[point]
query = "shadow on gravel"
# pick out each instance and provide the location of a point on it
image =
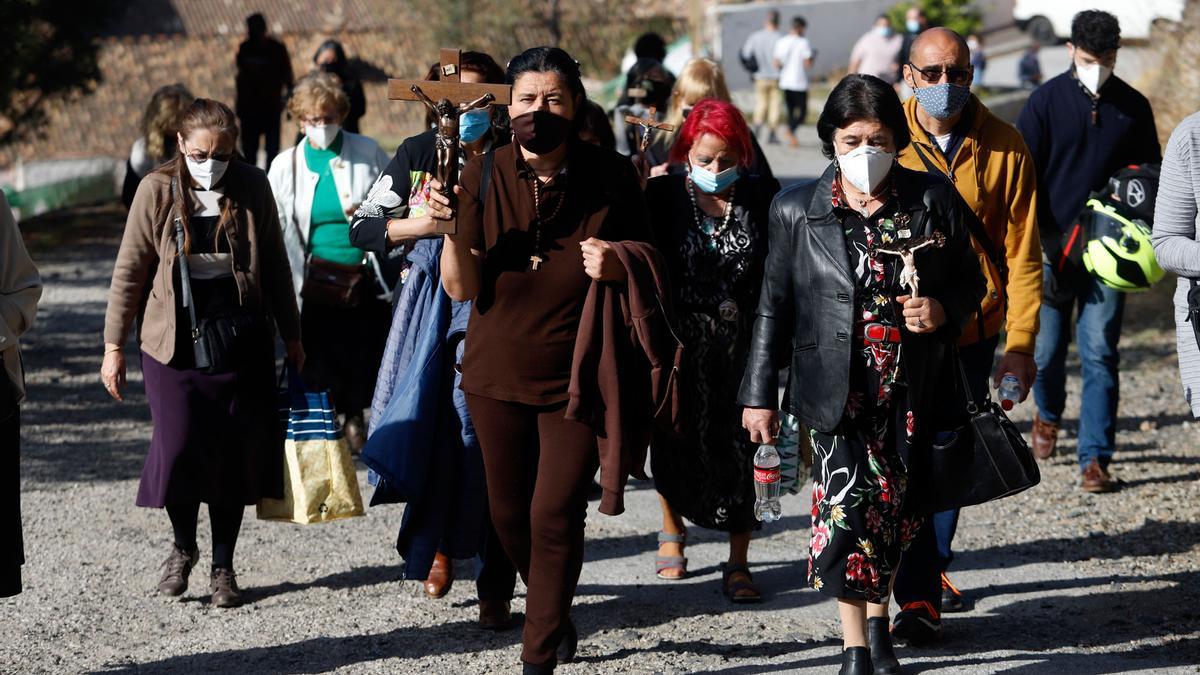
(359, 577)
(1093, 620)
(1155, 538)
(733, 651)
(326, 654)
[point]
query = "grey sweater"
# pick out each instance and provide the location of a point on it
(1177, 241)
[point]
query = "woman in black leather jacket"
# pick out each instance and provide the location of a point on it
(872, 363)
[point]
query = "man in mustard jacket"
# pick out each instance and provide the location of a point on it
(955, 135)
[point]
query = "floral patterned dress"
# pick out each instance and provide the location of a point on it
(859, 527)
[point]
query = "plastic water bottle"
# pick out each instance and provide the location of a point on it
(1010, 391)
(766, 484)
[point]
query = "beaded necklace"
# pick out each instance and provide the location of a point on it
(698, 216)
(535, 259)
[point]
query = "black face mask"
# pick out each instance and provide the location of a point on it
(539, 131)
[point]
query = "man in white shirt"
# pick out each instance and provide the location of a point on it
(759, 52)
(876, 52)
(793, 57)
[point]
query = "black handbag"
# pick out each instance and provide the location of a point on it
(985, 458)
(1193, 301)
(219, 342)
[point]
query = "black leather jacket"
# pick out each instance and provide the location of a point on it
(806, 306)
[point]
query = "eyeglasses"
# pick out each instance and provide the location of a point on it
(319, 120)
(201, 156)
(933, 75)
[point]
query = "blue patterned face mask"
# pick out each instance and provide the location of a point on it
(943, 101)
(473, 124)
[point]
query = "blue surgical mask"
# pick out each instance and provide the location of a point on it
(713, 183)
(944, 100)
(473, 124)
(885, 31)
(913, 25)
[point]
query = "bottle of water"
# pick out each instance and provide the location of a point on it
(1010, 391)
(766, 484)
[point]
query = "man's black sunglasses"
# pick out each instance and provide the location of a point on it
(934, 74)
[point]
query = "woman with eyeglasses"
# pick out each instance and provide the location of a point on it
(203, 238)
(343, 298)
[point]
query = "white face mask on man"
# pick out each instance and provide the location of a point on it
(866, 166)
(1093, 75)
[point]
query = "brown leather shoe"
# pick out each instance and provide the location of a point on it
(1044, 436)
(495, 615)
(176, 569)
(225, 591)
(441, 577)
(1096, 480)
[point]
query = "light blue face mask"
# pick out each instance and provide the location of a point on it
(473, 124)
(944, 100)
(713, 183)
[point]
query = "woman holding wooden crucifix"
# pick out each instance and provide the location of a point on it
(530, 245)
(873, 370)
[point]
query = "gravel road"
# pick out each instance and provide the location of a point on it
(1059, 581)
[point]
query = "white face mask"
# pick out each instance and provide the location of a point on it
(866, 166)
(207, 173)
(1093, 76)
(322, 136)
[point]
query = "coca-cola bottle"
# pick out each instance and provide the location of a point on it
(766, 484)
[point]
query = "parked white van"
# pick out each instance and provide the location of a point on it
(1049, 22)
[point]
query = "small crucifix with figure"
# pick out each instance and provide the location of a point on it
(906, 250)
(448, 98)
(648, 124)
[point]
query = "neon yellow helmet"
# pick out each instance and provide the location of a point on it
(1118, 251)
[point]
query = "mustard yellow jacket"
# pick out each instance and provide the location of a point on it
(994, 173)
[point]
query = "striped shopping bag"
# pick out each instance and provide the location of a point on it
(319, 481)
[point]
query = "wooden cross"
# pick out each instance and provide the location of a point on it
(648, 125)
(448, 98)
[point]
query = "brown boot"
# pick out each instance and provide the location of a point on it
(1096, 480)
(176, 569)
(495, 615)
(225, 591)
(1045, 438)
(441, 577)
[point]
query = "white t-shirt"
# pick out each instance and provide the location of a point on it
(943, 141)
(792, 50)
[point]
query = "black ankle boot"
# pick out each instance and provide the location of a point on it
(569, 645)
(533, 669)
(856, 661)
(882, 655)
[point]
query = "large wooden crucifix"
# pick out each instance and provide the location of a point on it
(449, 97)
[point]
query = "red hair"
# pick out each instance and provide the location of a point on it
(721, 119)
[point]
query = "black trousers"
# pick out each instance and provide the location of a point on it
(497, 576)
(797, 107)
(260, 123)
(12, 548)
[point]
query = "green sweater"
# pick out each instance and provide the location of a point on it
(329, 232)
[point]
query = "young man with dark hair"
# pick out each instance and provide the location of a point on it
(1081, 127)
(793, 57)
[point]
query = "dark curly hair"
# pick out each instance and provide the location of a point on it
(1095, 32)
(862, 97)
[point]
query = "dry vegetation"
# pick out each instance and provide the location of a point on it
(1174, 90)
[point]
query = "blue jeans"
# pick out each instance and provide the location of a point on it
(1097, 331)
(920, 575)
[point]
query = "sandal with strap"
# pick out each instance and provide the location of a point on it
(735, 589)
(663, 563)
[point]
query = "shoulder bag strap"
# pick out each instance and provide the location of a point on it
(485, 178)
(295, 172)
(185, 277)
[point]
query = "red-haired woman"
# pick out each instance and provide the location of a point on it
(711, 224)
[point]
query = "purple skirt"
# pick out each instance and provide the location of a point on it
(217, 438)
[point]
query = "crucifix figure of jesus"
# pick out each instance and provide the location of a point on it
(648, 124)
(906, 250)
(448, 98)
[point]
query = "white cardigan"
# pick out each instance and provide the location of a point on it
(354, 172)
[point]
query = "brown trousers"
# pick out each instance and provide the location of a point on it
(539, 503)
